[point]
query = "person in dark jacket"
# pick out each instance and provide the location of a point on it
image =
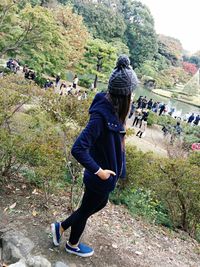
(100, 149)
(150, 104)
(197, 119)
(191, 118)
(132, 109)
(162, 108)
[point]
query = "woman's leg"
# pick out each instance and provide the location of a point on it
(91, 203)
(135, 120)
(138, 133)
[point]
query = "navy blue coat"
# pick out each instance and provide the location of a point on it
(100, 145)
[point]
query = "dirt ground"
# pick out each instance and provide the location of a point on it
(117, 238)
(152, 141)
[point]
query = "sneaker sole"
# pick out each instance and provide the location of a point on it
(84, 255)
(53, 231)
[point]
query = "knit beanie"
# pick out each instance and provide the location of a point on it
(123, 79)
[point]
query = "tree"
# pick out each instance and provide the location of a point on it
(47, 41)
(140, 34)
(170, 48)
(103, 22)
(31, 33)
(74, 32)
(98, 61)
(189, 68)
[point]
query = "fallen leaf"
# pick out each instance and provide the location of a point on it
(35, 192)
(138, 253)
(34, 213)
(5, 209)
(114, 246)
(13, 205)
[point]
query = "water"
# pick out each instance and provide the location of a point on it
(181, 108)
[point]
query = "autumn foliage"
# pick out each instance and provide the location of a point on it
(190, 68)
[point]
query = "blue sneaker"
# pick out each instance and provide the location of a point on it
(56, 233)
(81, 250)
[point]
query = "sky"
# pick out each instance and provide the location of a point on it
(179, 19)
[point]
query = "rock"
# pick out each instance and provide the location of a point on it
(60, 264)
(20, 263)
(37, 261)
(15, 246)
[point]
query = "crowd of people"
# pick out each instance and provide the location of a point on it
(28, 73)
(13, 65)
(65, 89)
(193, 119)
(140, 111)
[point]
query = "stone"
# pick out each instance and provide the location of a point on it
(15, 246)
(20, 263)
(37, 261)
(60, 264)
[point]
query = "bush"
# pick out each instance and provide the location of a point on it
(191, 135)
(152, 118)
(166, 191)
(39, 80)
(85, 82)
(142, 203)
(5, 70)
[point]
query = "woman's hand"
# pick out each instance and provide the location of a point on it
(105, 174)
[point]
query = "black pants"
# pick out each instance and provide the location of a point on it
(135, 122)
(91, 203)
(139, 133)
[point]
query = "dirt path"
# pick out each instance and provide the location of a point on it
(117, 238)
(152, 141)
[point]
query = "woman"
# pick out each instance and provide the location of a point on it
(75, 81)
(100, 149)
(143, 128)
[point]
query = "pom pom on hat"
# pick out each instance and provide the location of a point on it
(123, 62)
(123, 79)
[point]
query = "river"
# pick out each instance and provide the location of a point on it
(181, 108)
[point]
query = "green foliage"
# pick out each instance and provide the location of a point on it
(43, 39)
(140, 34)
(85, 82)
(170, 48)
(40, 80)
(37, 130)
(5, 70)
(164, 75)
(99, 59)
(103, 22)
(142, 203)
(191, 135)
(152, 118)
(170, 186)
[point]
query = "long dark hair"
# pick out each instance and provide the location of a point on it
(121, 104)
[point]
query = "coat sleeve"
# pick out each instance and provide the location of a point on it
(84, 142)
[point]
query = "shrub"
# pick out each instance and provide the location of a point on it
(85, 82)
(142, 203)
(41, 138)
(165, 191)
(152, 118)
(39, 80)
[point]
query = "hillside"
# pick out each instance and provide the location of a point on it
(118, 238)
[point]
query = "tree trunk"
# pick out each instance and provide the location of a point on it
(99, 65)
(95, 81)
